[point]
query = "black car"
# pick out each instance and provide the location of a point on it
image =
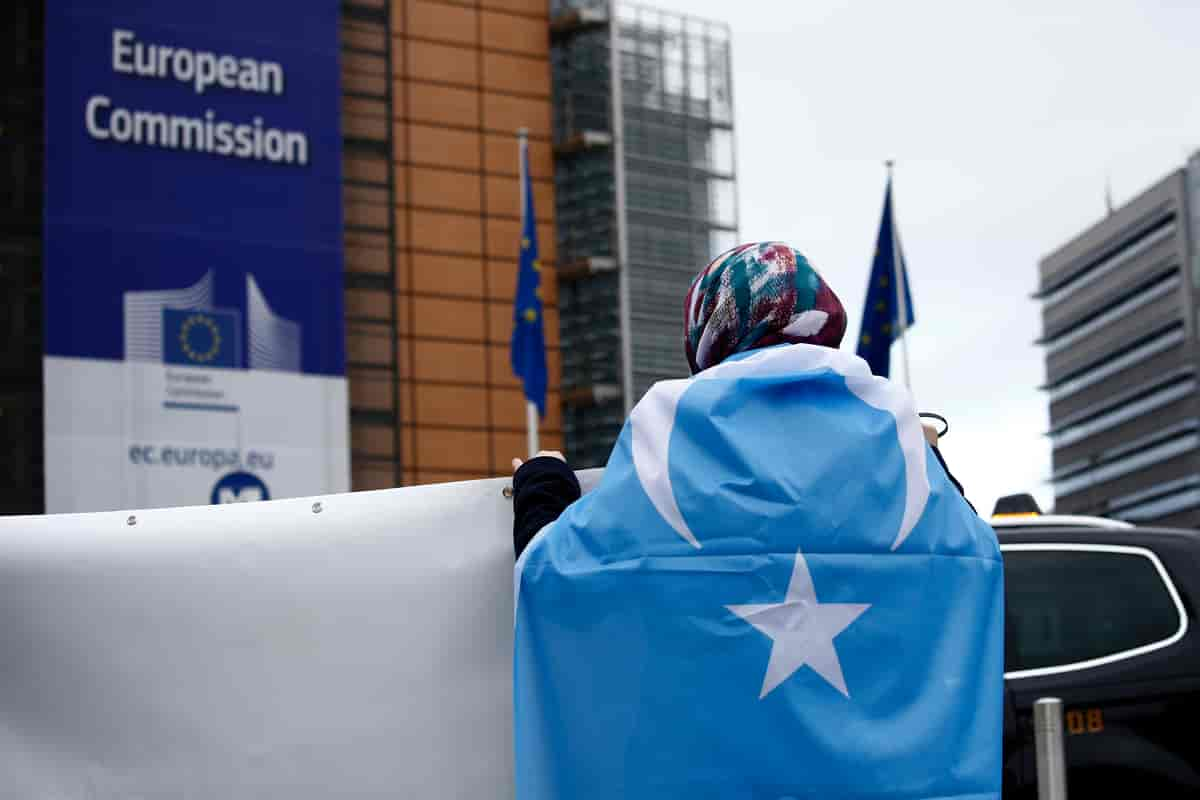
(1101, 614)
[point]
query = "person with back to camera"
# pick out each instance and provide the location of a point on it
(544, 486)
(772, 592)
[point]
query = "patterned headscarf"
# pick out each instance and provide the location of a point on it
(757, 295)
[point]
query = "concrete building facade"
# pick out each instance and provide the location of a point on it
(646, 188)
(1119, 319)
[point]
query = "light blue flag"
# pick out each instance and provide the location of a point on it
(775, 592)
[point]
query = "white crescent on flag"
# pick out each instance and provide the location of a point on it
(653, 420)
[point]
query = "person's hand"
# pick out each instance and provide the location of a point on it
(931, 432)
(516, 462)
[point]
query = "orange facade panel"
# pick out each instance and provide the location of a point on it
(505, 113)
(355, 62)
(443, 147)
(449, 362)
(452, 449)
(516, 74)
(514, 32)
(373, 440)
(371, 304)
(366, 259)
(533, 8)
(441, 318)
(365, 215)
(451, 190)
(439, 105)
(371, 389)
(364, 83)
(507, 445)
(500, 155)
(504, 197)
(363, 36)
(453, 406)
(444, 232)
(368, 344)
(367, 476)
(443, 63)
(447, 275)
(364, 126)
(365, 167)
(442, 22)
(508, 410)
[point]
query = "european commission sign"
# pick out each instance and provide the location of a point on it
(203, 71)
(193, 265)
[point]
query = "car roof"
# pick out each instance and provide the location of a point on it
(1052, 528)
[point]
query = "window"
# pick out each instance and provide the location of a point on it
(1079, 606)
(1105, 319)
(1097, 271)
(1126, 464)
(1107, 367)
(1163, 506)
(1122, 410)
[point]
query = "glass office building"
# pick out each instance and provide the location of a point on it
(646, 196)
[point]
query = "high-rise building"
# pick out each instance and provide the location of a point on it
(433, 94)
(1119, 317)
(645, 181)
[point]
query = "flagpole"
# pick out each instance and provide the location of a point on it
(531, 410)
(898, 279)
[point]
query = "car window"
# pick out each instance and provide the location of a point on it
(1067, 606)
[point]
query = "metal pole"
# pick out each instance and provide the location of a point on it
(898, 279)
(531, 428)
(617, 127)
(1048, 739)
(531, 411)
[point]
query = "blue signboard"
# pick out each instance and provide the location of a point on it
(193, 235)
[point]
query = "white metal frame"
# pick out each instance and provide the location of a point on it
(1123, 654)
(1058, 520)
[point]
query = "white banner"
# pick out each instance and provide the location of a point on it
(348, 646)
(137, 435)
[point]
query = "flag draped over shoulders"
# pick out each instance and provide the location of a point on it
(773, 592)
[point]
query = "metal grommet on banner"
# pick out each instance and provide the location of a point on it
(131, 521)
(317, 507)
(945, 424)
(507, 491)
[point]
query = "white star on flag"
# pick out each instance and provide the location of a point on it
(802, 631)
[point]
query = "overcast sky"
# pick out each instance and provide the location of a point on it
(1005, 119)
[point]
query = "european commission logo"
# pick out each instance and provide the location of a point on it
(183, 327)
(200, 338)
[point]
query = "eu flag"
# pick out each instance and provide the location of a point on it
(881, 313)
(528, 337)
(730, 615)
(200, 338)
